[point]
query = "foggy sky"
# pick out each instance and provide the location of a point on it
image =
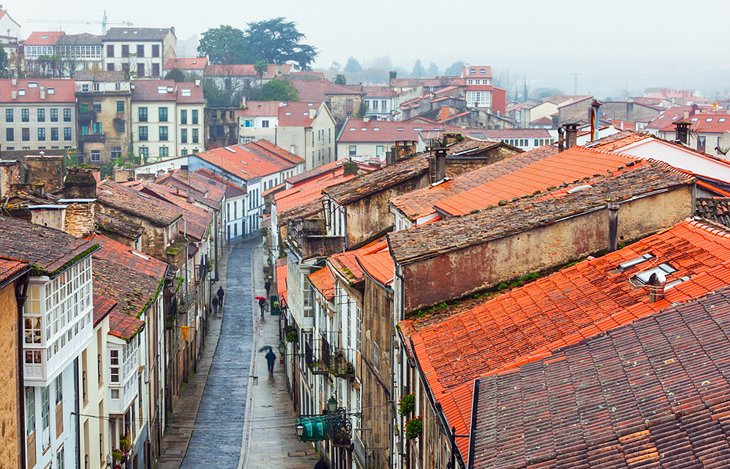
(613, 46)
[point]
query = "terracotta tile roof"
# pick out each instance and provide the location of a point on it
(298, 114)
(142, 276)
(167, 90)
(197, 219)
(184, 63)
(11, 268)
(231, 190)
(124, 255)
(497, 134)
(711, 122)
(380, 180)
(321, 90)
(374, 131)
(304, 199)
(102, 307)
(259, 109)
(56, 90)
(282, 273)
(43, 38)
(252, 160)
(378, 265)
(124, 326)
(128, 200)
(716, 210)
(636, 396)
(618, 141)
(105, 223)
(246, 70)
(323, 281)
(204, 189)
(346, 263)
(564, 167)
(591, 297)
(379, 91)
(48, 251)
(530, 212)
(83, 39)
(476, 71)
(420, 203)
(666, 118)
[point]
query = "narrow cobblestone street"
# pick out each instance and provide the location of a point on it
(225, 417)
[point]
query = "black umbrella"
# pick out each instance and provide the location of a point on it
(265, 348)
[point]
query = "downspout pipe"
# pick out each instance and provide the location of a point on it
(21, 294)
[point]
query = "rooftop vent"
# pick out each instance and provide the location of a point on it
(32, 84)
(662, 270)
(51, 90)
(628, 264)
(230, 149)
(582, 188)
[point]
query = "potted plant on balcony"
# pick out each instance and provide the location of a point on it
(291, 335)
(406, 404)
(414, 428)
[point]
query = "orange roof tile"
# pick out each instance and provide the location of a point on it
(563, 308)
(251, 160)
(420, 203)
(102, 307)
(346, 263)
(324, 282)
(566, 167)
(379, 265)
(10, 268)
(123, 325)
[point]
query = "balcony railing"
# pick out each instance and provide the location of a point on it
(86, 116)
(314, 363)
(93, 138)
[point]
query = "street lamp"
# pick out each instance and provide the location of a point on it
(300, 430)
(332, 405)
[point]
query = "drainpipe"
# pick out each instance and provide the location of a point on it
(612, 226)
(21, 291)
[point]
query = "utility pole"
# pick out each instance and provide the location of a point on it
(575, 84)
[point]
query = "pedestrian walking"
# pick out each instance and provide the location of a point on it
(262, 305)
(215, 304)
(270, 359)
(220, 294)
(321, 464)
(267, 285)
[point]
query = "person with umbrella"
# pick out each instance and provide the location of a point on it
(270, 358)
(267, 286)
(262, 304)
(215, 304)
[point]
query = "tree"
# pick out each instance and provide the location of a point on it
(224, 45)
(4, 72)
(177, 75)
(353, 66)
(335, 67)
(277, 41)
(279, 90)
(261, 68)
(454, 70)
(215, 96)
(433, 70)
(340, 79)
(418, 70)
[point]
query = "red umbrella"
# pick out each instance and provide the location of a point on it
(259, 298)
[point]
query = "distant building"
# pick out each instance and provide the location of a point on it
(193, 67)
(37, 114)
(77, 52)
(479, 92)
(305, 129)
(167, 119)
(141, 52)
(104, 116)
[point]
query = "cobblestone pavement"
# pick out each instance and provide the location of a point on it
(270, 440)
(217, 435)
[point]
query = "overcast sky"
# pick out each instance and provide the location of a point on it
(617, 46)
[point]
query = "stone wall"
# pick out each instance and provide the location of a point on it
(9, 425)
(45, 170)
(79, 220)
(458, 273)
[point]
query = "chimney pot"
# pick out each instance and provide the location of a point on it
(439, 172)
(571, 135)
(656, 287)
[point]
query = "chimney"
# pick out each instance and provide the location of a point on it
(656, 287)
(594, 118)
(366, 119)
(13, 82)
(79, 184)
(312, 113)
(349, 167)
(571, 135)
(43, 92)
(612, 227)
(13, 95)
(681, 128)
(561, 138)
(439, 168)
(390, 156)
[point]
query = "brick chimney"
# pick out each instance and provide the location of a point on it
(79, 192)
(681, 128)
